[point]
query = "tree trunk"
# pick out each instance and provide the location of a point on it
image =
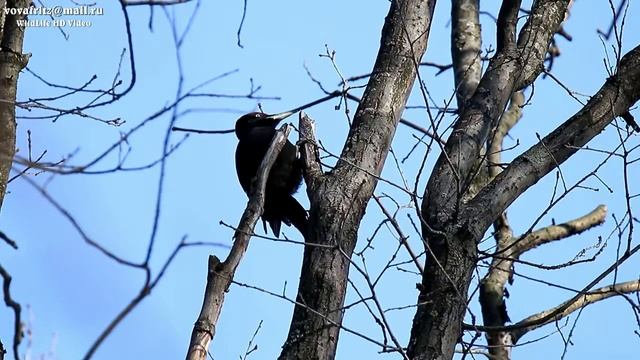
(449, 229)
(338, 199)
(11, 62)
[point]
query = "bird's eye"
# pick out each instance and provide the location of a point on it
(257, 115)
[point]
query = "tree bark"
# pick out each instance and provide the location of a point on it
(338, 198)
(12, 61)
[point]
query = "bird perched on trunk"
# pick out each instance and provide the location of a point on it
(255, 132)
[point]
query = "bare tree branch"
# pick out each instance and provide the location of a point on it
(572, 305)
(466, 42)
(10, 302)
(8, 240)
(148, 286)
(402, 237)
(549, 316)
(561, 231)
(507, 24)
(614, 98)
(220, 274)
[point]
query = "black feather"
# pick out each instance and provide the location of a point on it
(255, 132)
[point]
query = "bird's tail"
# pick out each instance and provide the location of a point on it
(293, 213)
(284, 209)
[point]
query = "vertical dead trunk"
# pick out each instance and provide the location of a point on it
(338, 199)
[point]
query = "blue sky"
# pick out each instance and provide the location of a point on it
(73, 291)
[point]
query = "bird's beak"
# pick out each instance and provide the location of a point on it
(280, 116)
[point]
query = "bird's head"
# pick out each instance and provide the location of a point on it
(258, 119)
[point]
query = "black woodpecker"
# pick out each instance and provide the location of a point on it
(255, 132)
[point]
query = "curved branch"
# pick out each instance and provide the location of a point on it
(561, 231)
(220, 274)
(550, 315)
(571, 306)
(17, 323)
